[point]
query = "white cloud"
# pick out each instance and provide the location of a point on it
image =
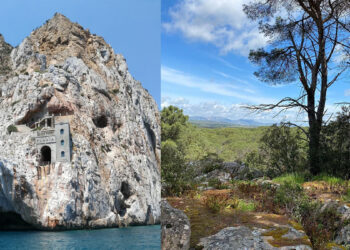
(219, 22)
(209, 108)
(347, 92)
(239, 91)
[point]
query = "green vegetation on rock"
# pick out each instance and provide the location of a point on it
(12, 129)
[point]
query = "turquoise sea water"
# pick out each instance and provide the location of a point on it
(142, 237)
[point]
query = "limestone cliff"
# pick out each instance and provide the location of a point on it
(113, 178)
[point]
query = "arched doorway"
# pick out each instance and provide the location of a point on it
(45, 155)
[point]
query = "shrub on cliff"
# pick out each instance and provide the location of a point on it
(12, 129)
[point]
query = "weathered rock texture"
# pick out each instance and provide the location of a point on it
(245, 238)
(176, 230)
(114, 176)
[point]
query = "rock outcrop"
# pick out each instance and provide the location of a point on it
(242, 237)
(226, 172)
(176, 230)
(5, 51)
(342, 237)
(113, 178)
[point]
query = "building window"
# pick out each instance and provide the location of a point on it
(62, 142)
(62, 154)
(62, 131)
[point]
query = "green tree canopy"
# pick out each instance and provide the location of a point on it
(307, 41)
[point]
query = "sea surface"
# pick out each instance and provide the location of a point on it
(140, 237)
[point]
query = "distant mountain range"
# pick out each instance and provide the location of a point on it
(215, 122)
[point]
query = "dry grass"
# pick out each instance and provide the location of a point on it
(206, 222)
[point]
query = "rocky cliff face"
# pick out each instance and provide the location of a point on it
(113, 178)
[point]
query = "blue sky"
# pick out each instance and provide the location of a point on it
(131, 27)
(205, 66)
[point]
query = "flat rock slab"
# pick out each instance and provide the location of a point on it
(176, 230)
(244, 238)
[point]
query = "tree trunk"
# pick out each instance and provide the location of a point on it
(314, 146)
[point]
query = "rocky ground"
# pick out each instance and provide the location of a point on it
(176, 230)
(239, 215)
(113, 178)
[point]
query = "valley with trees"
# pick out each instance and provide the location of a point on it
(265, 182)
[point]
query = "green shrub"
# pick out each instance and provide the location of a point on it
(319, 224)
(177, 174)
(335, 145)
(246, 206)
(290, 196)
(217, 202)
(294, 178)
(346, 196)
(210, 162)
(282, 150)
(115, 91)
(12, 129)
(217, 184)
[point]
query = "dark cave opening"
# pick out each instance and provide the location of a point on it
(11, 221)
(100, 121)
(151, 134)
(125, 189)
(45, 153)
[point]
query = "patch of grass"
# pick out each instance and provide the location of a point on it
(331, 180)
(293, 178)
(246, 206)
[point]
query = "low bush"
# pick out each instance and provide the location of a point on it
(247, 187)
(215, 203)
(346, 196)
(210, 162)
(220, 201)
(335, 145)
(290, 197)
(217, 184)
(282, 150)
(320, 224)
(12, 129)
(246, 206)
